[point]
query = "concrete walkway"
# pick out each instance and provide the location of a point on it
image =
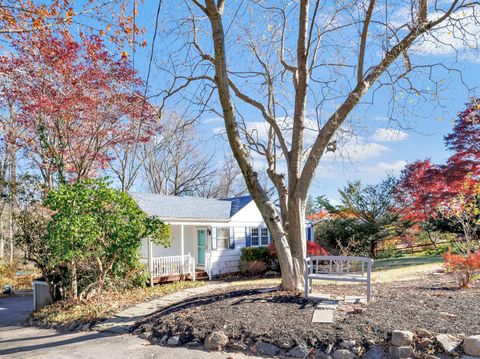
(122, 321)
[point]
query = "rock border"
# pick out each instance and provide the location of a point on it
(401, 344)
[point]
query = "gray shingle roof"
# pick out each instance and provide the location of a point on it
(175, 207)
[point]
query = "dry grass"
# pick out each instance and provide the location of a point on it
(8, 276)
(105, 305)
(393, 270)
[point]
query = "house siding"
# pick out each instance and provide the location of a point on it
(228, 260)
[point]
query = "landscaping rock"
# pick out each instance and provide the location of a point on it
(321, 355)
(401, 338)
(173, 341)
(266, 349)
(164, 339)
(376, 352)
(72, 326)
(401, 352)
(448, 343)
(154, 340)
(193, 344)
(300, 351)
(145, 335)
(329, 349)
(471, 346)
(424, 343)
(423, 333)
(238, 346)
(343, 354)
(347, 344)
(215, 341)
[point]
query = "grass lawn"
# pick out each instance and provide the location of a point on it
(408, 261)
(105, 305)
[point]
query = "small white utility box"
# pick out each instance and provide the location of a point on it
(41, 294)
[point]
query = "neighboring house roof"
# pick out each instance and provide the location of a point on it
(189, 207)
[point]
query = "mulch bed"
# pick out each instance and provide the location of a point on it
(247, 315)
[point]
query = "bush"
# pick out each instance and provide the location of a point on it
(7, 274)
(466, 268)
(260, 254)
(340, 233)
(251, 254)
(253, 268)
(87, 237)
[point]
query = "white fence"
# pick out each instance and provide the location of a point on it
(173, 265)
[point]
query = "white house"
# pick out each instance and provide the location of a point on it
(206, 234)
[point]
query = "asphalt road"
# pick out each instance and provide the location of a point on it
(17, 341)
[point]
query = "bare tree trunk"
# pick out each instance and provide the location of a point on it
(2, 235)
(261, 198)
(432, 240)
(297, 238)
(10, 233)
(73, 280)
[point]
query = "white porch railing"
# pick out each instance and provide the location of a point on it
(208, 265)
(172, 265)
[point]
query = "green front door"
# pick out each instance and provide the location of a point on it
(202, 246)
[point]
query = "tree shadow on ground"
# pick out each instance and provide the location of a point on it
(245, 296)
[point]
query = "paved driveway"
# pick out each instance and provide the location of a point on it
(17, 341)
(14, 310)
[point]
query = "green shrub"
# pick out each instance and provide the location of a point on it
(250, 254)
(260, 254)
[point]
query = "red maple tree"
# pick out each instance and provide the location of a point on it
(425, 186)
(448, 191)
(76, 101)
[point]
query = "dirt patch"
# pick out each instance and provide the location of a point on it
(249, 315)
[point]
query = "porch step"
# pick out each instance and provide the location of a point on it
(201, 275)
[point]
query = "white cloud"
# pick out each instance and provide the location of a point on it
(458, 37)
(356, 150)
(395, 167)
(211, 120)
(389, 135)
(218, 130)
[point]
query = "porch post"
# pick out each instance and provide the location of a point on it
(182, 237)
(150, 261)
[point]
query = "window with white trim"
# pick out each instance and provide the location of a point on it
(264, 236)
(223, 237)
(255, 237)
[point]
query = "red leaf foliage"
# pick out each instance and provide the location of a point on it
(74, 102)
(425, 186)
(464, 267)
(313, 249)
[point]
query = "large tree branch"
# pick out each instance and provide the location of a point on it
(363, 40)
(354, 97)
(296, 151)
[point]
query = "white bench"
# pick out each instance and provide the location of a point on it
(339, 268)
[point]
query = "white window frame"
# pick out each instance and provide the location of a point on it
(226, 240)
(262, 236)
(257, 236)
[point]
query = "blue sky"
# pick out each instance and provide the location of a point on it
(381, 145)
